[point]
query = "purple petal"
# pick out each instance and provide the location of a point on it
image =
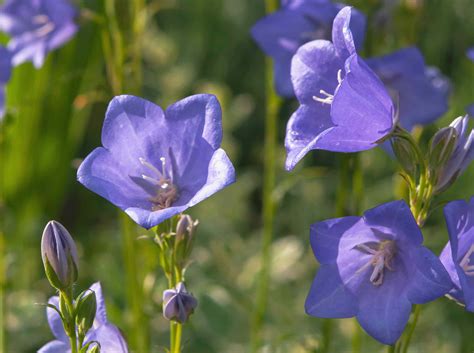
(328, 296)
(101, 315)
(470, 110)
(55, 347)
(384, 311)
(304, 130)
(313, 68)
(348, 31)
(148, 219)
(55, 322)
(422, 93)
(429, 279)
(470, 53)
(395, 218)
(110, 339)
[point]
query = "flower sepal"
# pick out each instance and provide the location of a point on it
(86, 307)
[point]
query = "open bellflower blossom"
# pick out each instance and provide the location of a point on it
(281, 33)
(36, 27)
(461, 157)
(344, 107)
(374, 268)
(470, 55)
(102, 331)
(421, 92)
(5, 73)
(155, 164)
(458, 255)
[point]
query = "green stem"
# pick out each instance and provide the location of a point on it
(356, 338)
(2, 293)
(139, 322)
(411, 329)
(70, 323)
(270, 147)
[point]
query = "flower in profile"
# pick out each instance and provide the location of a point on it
(461, 156)
(421, 92)
(374, 268)
(5, 73)
(178, 304)
(344, 107)
(102, 331)
(470, 55)
(281, 33)
(59, 255)
(458, 255)
(155, 164)
(36, 27)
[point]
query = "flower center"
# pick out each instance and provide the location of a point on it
(466, 262)
(45, 25)
(166, 191)
(382, 257)
(327, 98)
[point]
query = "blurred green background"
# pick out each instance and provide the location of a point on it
(165, 50)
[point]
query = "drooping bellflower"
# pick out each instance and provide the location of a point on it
(281, 33)
(374, 268)
(178, 304)
(102, 331)
(344, 107)
(461, 157)
(470, 55)
(421, 92)
(155, 164)
(36, 27)
(5, 73)
(458, 255)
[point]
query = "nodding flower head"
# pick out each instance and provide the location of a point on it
(374, 268)
(36, 27)
(458, 254)
(155, 164)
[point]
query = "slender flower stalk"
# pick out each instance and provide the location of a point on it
(270, 146)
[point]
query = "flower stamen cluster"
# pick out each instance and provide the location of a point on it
(466, 262)
(167, 192)
(382, 258)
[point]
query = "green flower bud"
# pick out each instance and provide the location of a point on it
(86, 308)
(442, 147)
(184, 237)
(406, 156)
(59, 255)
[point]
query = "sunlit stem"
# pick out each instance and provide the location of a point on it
(268, 203)
(2, 293)
(70, 323)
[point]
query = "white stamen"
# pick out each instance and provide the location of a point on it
(40, 19)
(45, 30)
(380, 259)
(150, 166)
(339, 76)
(163, 166)
(327, 100)
(150, 179)
(465, 262)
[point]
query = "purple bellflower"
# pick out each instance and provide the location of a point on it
(5, 73)
(281, 33)
(102, 331)
(178, 304)
(461, 156)
(344, 107)
(470, 55)
(155, 164)
(421, 92)
(374, 268)
(458, 255)
(36, 27)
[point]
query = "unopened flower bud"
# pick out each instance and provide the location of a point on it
(178, 304)
(184, 238)
(59, 255)
(442, 146)
(85, 312)
(460, 157)
(405, 155)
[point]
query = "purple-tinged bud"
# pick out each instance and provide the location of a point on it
(460, 158)
(184, 238)
(178, 304)
(442, 147)
(59, 255)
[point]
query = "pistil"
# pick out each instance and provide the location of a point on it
(381, 258)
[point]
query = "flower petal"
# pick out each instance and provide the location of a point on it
(348, 31)
(101, 314)
(304, 130)
(328, 296)
(55, 347)
(54, 320)
(110, 339)
(315, 67)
